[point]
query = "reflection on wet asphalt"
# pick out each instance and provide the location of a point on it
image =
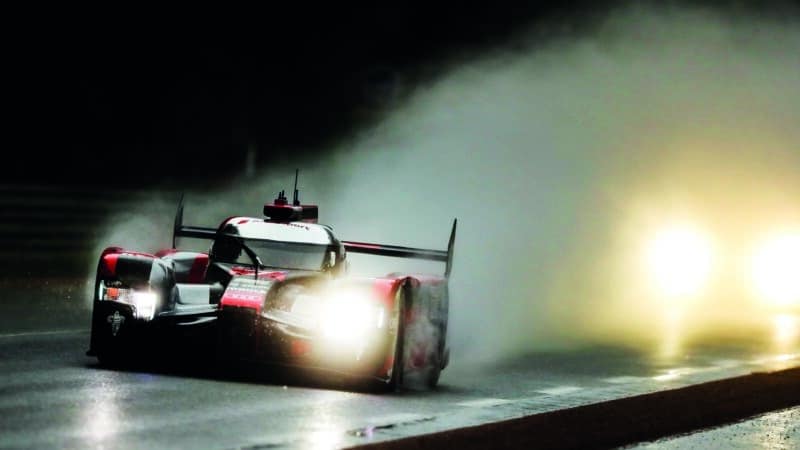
(51, 395)
(778, 430)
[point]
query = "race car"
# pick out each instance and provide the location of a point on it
(276, 290)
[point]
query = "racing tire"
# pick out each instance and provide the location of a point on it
(435, 370)
(112, 358)
(107, 361)
(433, 377)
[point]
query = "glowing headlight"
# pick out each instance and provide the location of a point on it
(775, 270)
(350, 316)
(143, 302)
(679, 261)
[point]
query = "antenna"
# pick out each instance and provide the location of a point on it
(295, 200)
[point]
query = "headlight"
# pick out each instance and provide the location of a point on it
(343, 317)
(349, 317)
(143, 302)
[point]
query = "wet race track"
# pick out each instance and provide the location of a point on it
(51, 395)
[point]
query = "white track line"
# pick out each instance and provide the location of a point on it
(727, 363)
(399, 418)
(560, 390)
(625, 379)
(43, 333)
(674, 374)
(484, 402)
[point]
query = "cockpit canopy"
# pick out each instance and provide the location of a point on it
(297, 232)
(293, 245)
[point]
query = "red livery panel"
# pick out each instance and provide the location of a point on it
(198, 271)
(108, 266)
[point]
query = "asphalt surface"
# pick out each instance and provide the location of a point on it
(52, 395)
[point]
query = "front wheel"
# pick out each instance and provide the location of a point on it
(114, 334)
(434, 371)
(110, 360)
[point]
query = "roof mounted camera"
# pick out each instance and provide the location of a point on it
(281, 211)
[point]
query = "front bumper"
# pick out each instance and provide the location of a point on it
(243, 334)
(118, 334)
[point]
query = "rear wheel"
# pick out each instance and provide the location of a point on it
(434, 370)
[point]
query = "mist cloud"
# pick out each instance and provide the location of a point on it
(556, 159)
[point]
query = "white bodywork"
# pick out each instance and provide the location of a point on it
(297, 232)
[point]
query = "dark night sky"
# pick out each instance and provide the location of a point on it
(140, 94)
(151, 96)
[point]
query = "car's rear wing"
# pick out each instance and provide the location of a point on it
(181, 230)
(445, 256)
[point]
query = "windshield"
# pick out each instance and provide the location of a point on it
(281, 255)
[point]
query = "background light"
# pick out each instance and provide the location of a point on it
(679, 260)
(775, 270)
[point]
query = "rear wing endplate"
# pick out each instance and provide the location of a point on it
(445, 256)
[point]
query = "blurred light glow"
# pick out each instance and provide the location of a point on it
(671, 342)
(778, 361)
(787, 330)
(679, 260)
(784, 358)
(775, 270)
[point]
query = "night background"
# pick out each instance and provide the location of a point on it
(151, 99)
(173, 97)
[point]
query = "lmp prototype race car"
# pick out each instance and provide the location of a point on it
(275, 290)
